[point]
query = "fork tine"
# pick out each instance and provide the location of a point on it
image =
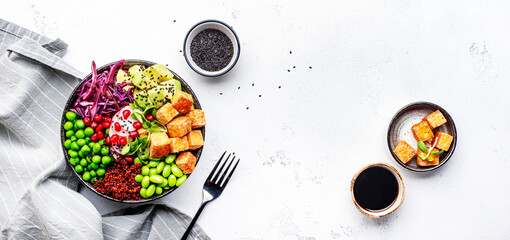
(226, 171)
(221, 169)
(215, 166)
(230, 175)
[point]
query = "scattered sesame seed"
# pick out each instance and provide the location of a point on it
(279, 86)
(288, 70)
(247, 108)
(175, 20)
(253, 84)
(290, 52)
(294, 67)
(238, 87)
(221, 93)
(310, 67)
(260, 95)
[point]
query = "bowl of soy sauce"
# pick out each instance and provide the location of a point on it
(377, 190)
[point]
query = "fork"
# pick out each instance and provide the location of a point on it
(213, 187)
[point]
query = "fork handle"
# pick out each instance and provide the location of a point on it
(192, 223)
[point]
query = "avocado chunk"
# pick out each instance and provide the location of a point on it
(141, 98)
(123, 77)
(159, 73)
(136, 68)
(141, 81)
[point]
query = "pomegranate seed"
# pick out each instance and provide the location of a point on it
(114, 138)
(93, 138)
(87, 121)
(107, 119)
(93, 125)
(98, 118)
(100, 135)
(137, 125)
(150, 117)
(106, 124)
(129, 159)
(117, 127)
(122, 141)
(126, 114)
(133, 134)
(99, 128)
(107, 140)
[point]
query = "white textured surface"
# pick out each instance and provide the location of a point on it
(301, 144)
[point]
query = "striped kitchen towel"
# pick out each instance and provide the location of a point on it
(38, 191)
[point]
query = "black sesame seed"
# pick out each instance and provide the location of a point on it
(294, 67)
(288, 70)
(253, 84)
(247, 108)
(260, 95)
(279, 86)
(238, 87)
(310, 67)
(221, 93)
(290, 52)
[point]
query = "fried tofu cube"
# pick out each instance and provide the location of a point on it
(195, 139)
(197, 117)
(435, 119)
(166, 113)
(179, 144)
(142, 132)
(182, 101)
(404, 151)
(179, 127)
(186, 162)
(422, 131)
(426, 162)
(160, 145)
(444, 140)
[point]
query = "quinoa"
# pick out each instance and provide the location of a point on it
(119, 181)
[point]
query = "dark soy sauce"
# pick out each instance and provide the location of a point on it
(375, 188)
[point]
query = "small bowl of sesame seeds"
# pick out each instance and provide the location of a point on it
(211, 48)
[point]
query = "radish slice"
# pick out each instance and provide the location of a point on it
(126, 127)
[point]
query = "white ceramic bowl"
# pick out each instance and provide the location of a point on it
(211, 24)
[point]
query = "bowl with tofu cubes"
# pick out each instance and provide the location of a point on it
(422, 136)
(133, 131)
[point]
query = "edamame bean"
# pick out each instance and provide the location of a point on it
(106, 160)
(67, 144)
(96, 159)
(160, 167)
(80, 134)
(83, 162)
(70, 116)
(176, 171)
(78, 168)
(138, 178)
(157, 179)
(172, 180)
(145, 182)
(164, 183)
(170, 158)
(167, 170)
(166, 188)
(153, 164)
(105, 150)
(86, 176)
(150, 190)
(152, 171)
(101, 172)
(68, 125)
(159, 190)
(145, 170)
(142, 192)
(180, 180)
(89, 131)
(79, 124)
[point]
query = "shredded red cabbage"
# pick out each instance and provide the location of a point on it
(100, 94)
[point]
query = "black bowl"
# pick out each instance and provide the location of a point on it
(74, 96)
(400, 129)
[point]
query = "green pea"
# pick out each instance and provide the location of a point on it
(137, 161)
(96, 148)
(67, 144)
(102, 165)
(81, 153)
(91, 144)
(80, 134)
(157, 179)
(145, 170)
(159, 190)
(176, 171)
(96, 159)
(94, 180)
(106, 160)
(170, 158)
(68, 125)
(83, 162)
(78, 168)
(70, 116)
(74, 161)
(73, 138)
(79, 124)
(89, 131)
(138, 178)
(69, 133)
(167, 170)
(172, 180)
(145, 182)
(87, 139)
(86, 176)
(89, 159)
(164, 183)
(93, 166)
(73, 154)
(180, 181)
(142, 192)
(107, 132)
(150, 190)
(81, 142)
(92, 173)
(105, 150)
(160, 167)
(85, 149)
(101, 172)
(153, 171)
(153, 164)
